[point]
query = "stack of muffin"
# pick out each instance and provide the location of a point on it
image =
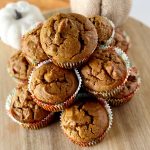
(76, 65)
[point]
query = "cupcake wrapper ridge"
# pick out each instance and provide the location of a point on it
(111, 93)
(109, 41)
(101, 137)
(118, 102)
(56, 107)
(43, 123)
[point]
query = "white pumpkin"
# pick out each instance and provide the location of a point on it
(16, 19)
(115, 10)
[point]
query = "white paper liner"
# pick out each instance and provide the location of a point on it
(121, 101)
(98, 139)
(61, 106)
(68, 65)
(110, 93)
(109, 41)
(44, 122)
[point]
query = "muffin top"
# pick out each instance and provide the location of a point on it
(121, 40)
(103, 27)
(104, 71)
(19, 67)
(53, 84)
(31, 46)
(24, 109)
(130, 86)
(68, 37)
(85, 121)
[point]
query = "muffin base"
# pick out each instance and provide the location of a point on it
(69, 65)
(109, 41)
(37, 125)
(118, 102)
(55, 107)
(111, 93)
(101, 137)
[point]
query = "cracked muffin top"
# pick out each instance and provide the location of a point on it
(121, 40)
(24, 109)
(68, 38)
(85, 121)
(103, 27)
(53, 84)
(130, 86)
(19, 67)
(104, 71)
(31, 46)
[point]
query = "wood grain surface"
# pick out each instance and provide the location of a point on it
(131, 126)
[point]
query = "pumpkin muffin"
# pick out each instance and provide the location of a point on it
(87, 122)
(69, 39)
(106, 72)
(19, 67)
(131, 86)
(23, 110)
(105, 29)
(31, 46)
(52, 87)
(121, 40)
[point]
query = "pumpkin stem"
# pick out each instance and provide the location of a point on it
(18, 15)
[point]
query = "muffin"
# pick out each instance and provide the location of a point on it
(87, 122)
(68, 39)
(31, 46)
(24, 111)
(121, 40)
(52, 87)
(106, 72)
(19, 67)
(105, 30)
(131, 86)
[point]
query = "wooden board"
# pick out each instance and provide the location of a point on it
(131, 126)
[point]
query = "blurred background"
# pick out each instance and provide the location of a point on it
(140, 9)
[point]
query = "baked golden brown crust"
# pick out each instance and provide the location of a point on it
(85, 121)
(68, 38)
(121, 40)
(103, 27)
(104, 71)
(19, 67)
(31, 46)
(130, 86)
(53, 84)
(24, 109)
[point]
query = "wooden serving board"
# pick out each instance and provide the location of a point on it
(131, 126)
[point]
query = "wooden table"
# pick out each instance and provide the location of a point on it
(131, 126)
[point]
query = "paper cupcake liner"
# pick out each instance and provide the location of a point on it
(71, 65)
(109, 41)
(120, 101)
(111, 93)
(56, 107)
(101, 137)
(37, 125)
